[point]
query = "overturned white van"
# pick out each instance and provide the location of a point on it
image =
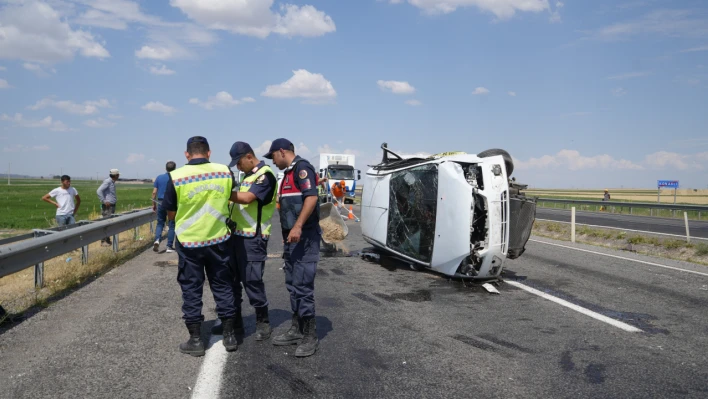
(455, 213)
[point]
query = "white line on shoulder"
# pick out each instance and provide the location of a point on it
(623, 258)
(580, 309)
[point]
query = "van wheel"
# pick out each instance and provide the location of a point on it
(508, 162)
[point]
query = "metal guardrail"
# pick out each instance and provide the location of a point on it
(22, 252)
(630, 205)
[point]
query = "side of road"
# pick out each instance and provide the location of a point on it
(93, 343)
(627, 242)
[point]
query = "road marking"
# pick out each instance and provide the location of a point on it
(623, 258)
(580, 309)
(619, 228)
(209, 379)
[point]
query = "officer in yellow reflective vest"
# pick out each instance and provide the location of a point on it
(254, 205)
(197, 199)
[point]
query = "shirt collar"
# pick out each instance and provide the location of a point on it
(198, 161)
(292, 165)
(254, 170)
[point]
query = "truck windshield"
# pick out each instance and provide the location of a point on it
(341, 174)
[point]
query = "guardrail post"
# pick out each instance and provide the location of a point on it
(137, 233)
(685, 219)
(115, 243)
(39, 275)
(572, 224)
(84, 254)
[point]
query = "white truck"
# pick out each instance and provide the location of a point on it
(337, 168)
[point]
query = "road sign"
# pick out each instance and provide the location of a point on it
(668, 183)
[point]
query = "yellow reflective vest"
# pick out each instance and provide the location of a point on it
(246, 216)
(203, 193)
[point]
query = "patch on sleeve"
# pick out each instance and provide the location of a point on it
(305, 184)
(261, 179)
(303, 174)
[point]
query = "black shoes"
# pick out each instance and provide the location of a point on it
(194, 346)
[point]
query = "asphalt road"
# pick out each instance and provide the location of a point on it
(386, 332)
(642, 223)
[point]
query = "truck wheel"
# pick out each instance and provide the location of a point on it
(508, 162)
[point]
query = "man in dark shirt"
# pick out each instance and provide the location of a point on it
(158, 192)
(299, 219)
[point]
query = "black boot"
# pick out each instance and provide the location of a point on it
(218, 328)
(292, 336)
(309, 342)
(230, 342)
(194, 346)
(263, 329)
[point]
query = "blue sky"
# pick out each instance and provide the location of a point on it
(582, 94)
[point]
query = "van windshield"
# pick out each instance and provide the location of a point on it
(412, 211)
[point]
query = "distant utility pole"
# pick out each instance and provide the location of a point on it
(8, 173)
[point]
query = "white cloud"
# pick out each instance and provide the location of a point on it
(327, 149)
(99, 123)
(134, 158)
(618, 92)
(4, 84)
(629, 75)
(154, 53)
(663, 159)
(396, 87)
(414, 103)
(480, 90)
(555, 15)
(24, 148)
(162, 70)
(2, 69)
(665, 22)
(222, 99)
(86, 108)
(573, 160)
(34, 31)
(256, 17)
(112, 116)
(695, 49)
(39, 70)
(48, 122)
(156, 106)
(502, 9)
(512, 93)
(312, 87)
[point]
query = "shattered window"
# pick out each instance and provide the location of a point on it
(412, 208)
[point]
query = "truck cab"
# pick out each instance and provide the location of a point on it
(337, 168)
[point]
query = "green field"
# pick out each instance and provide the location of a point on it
(21, 207)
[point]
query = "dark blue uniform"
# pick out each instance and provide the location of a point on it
(250, 253)
(299, 182)
(192, 264)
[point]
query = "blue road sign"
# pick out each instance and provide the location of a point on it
(668, 183)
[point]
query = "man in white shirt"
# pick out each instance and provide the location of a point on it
(65, 196)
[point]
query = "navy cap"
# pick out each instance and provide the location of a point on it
(238, 150)
(197, 139)
(279, 144)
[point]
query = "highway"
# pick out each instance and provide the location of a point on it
(620, 326)
(641, 223)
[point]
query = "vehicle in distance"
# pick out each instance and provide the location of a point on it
(455, 213)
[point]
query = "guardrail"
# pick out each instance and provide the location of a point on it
(22, 252)
(630, 205)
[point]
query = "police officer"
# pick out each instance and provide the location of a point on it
(197, 198)
(253, 210)
(299, 218)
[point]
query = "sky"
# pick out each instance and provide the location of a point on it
(582, 94)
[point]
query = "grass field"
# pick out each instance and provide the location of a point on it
(21, 207)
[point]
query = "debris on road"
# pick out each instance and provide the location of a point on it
(490, 288)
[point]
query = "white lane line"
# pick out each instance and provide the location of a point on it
(580, 309)
(623, 258)
(209, 379)
(619, 228)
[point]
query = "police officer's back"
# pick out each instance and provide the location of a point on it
(197, 199)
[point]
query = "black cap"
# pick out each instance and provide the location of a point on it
(197, 139)
(238, 150)
(279, 144)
